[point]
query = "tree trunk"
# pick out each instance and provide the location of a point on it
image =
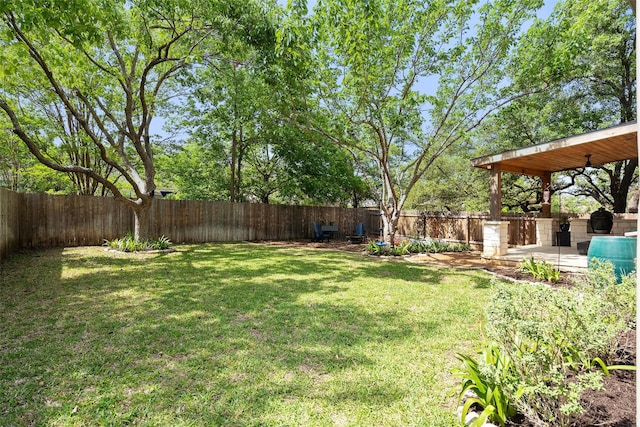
(232, 184)
(390, 220)
(142, 223)
(620, 184)
(239, 157)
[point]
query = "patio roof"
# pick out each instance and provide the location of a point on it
(605, 146)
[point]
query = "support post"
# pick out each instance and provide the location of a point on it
(546, 207)
(495, 192)
(633, 5)
(496, 232)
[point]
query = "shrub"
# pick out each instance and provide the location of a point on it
(129, 243)
(558, 342)
(377, 248)
(436, 246)
(555, 338)
(402, 248)
(160, 243)
(415, 246)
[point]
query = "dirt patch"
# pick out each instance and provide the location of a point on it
(615, 406)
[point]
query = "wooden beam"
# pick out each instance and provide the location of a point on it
(524, 171)
(495, 193)
(546, 207)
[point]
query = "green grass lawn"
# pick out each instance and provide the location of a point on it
(232, 334)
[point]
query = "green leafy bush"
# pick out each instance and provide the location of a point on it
(436, 246)
(559, 342)
(160, 243)
(377, 248)
(402, 248)
(129, 243)
(556, 338)
(381, 248)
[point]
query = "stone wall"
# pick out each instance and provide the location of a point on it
(580, 229)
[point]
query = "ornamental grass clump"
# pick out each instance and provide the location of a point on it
(559, 342)
(130, 244)
(415, 246)
(540, 270)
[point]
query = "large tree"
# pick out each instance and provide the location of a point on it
(401, 82)
(584, 54)
(107, 64)
(239, 148)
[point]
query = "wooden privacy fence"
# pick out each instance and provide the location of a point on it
(464, 227)
(9, 215)
(198, 221)
(42, 220)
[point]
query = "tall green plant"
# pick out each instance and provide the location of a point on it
(488, 380)
(540, 270)
(129, 243)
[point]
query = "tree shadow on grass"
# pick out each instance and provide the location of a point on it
(208, 335)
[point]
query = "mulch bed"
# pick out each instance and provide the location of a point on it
(615, 406)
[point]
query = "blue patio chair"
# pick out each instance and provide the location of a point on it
(318, 234)
(359, 236)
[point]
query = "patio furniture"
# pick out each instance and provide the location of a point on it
(583, 247)
(329, 229)
(359, 235)
(320, 234)
(563, 238)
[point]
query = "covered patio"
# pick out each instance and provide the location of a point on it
(590, 149)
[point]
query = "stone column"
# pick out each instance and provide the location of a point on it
(496, 238)
(545, 234)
